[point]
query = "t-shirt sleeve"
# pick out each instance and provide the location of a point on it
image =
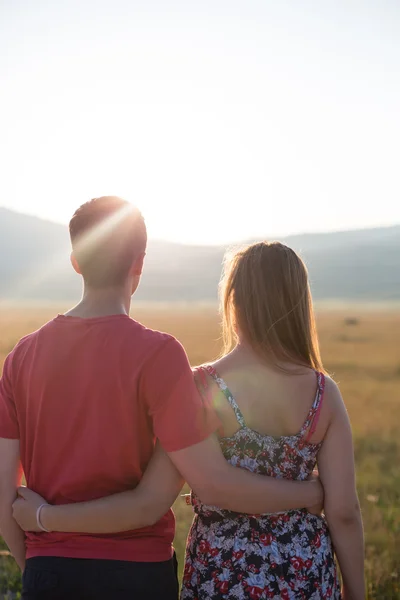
(180, 416)
(9, 427)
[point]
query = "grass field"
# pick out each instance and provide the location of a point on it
(363, 357)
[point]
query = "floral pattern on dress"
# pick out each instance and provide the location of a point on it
(286, 555)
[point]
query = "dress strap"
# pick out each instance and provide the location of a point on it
(310, 425)
(227, 393)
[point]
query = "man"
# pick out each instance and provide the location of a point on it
(82, 402)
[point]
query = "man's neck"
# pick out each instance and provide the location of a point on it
(101, 303)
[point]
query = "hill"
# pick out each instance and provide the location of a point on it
(361, 265)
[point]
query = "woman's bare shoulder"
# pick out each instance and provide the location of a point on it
(332, 390)
(333, 399)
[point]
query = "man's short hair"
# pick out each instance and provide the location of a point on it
(107, 234)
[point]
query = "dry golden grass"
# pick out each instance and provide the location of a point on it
(364, 358)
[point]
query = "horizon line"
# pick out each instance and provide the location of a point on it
(245, 240)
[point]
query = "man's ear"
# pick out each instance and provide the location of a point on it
(74, 264)
(137, 266)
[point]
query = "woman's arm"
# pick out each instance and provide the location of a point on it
(342, 510)
(10, 478)
(133, 509)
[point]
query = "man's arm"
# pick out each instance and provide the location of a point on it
(217, 483)
(10, 479)
(152, 498)
(184, 423)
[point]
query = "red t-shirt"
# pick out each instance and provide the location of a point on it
(87, 399)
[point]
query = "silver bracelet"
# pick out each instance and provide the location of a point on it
(38, 521)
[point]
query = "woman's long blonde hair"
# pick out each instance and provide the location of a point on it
(265, 294)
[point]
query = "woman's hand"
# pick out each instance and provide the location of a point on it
(25, 507)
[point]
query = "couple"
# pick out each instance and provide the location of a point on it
(107, 421)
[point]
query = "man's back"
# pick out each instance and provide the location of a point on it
(82, 401)
(83, 420)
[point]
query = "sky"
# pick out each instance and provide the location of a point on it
(222, 120)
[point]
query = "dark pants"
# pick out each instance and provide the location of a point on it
(56, 578)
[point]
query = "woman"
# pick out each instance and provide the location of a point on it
(280, 415)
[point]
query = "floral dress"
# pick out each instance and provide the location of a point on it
(286, 555)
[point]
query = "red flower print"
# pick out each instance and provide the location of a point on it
(308, 564)
(188, 572)
(256, 593)
(266, 539)
(274, 521)
(285, 595)
(223, 587)
(317, 541)
(296, 562)
(204, 547)
(214, 551)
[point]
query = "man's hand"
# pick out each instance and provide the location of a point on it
(317, 508)
(25, 507)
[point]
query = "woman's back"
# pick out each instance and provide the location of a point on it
(286, 555)
(273, 401)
